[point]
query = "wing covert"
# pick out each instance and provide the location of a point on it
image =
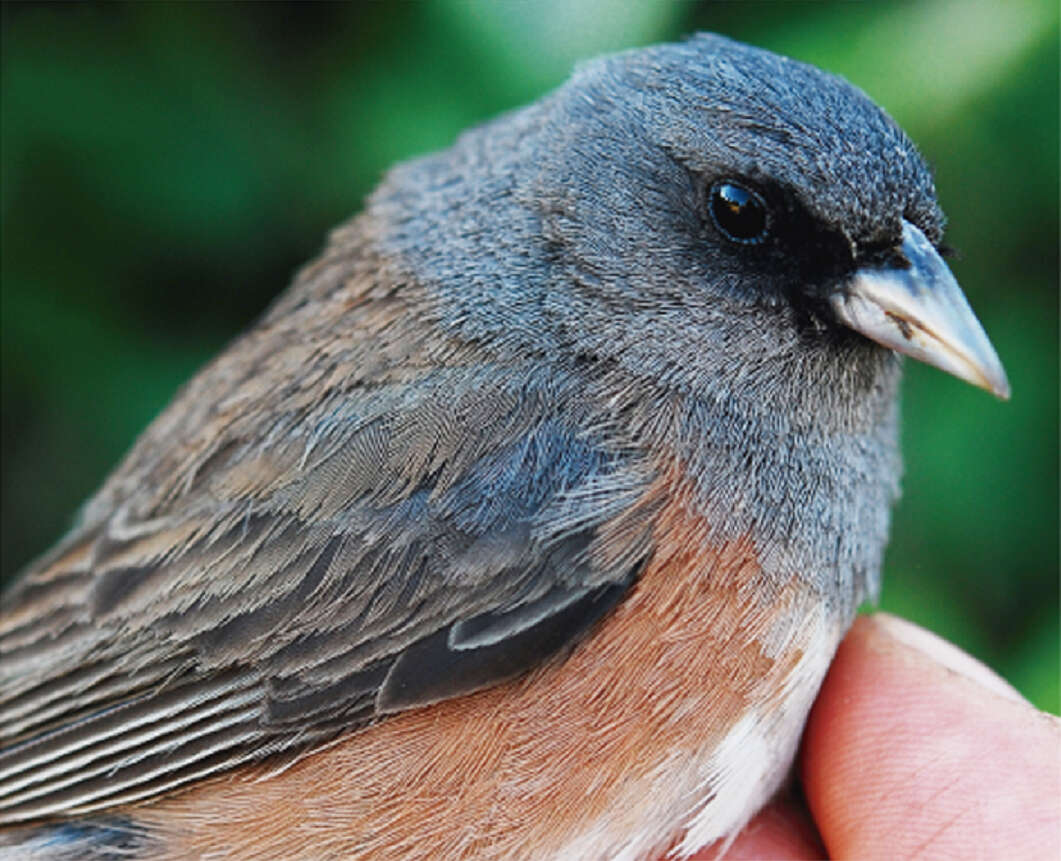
(390, 547)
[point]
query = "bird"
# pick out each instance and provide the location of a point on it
(526, 522)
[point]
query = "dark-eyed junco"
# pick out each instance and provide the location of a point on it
(527, 522)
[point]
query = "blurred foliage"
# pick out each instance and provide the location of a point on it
(166, 167)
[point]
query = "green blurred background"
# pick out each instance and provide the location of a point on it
(167, 167)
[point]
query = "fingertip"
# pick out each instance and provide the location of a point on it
(942, 652)
(914, 747)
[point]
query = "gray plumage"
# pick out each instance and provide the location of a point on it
(411, 457)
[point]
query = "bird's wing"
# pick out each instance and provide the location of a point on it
(392, 529)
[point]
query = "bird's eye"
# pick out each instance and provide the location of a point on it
(739, 213)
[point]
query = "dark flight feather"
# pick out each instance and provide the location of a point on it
(377, 547)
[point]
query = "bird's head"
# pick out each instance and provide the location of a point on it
(697, 212)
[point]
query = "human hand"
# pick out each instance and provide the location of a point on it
(915, 749)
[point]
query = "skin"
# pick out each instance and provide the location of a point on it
(914, 749)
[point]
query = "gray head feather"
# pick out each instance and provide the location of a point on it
(576, 229)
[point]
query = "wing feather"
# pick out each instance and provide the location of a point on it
(321, 530)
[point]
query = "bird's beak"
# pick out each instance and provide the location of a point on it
(922, 312)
